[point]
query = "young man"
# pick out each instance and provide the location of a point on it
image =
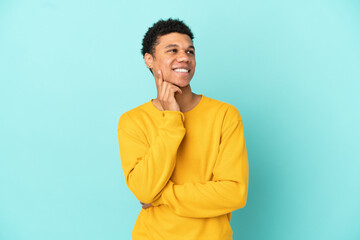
(183, 154)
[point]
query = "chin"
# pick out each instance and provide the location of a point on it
(182, 85)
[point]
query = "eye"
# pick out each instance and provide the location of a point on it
(191, 52)
(173, 50)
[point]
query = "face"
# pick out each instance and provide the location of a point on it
(175, 56)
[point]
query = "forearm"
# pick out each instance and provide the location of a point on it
(203, 200)
(148, 167)
(153, 171)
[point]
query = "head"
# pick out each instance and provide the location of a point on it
(168, 46)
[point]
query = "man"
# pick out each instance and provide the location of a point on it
(183, 154)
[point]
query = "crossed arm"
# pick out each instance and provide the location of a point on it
(225, 192)
(147, 169)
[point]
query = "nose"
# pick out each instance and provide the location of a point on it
(183, 57)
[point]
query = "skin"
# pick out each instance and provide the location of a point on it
(173, 51)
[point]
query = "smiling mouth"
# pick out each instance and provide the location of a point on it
(181, 70)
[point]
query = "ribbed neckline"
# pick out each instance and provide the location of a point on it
(185, 113)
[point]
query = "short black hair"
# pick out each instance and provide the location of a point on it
(161, 28)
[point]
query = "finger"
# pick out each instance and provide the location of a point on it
(173, 85)
(171, 88)
(166, 91)
(147, 205)
(178, 90)
(175, 89)
(159, 79)
(161, 85)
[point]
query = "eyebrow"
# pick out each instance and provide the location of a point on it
(175, 45)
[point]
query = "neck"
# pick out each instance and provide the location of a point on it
(186, 99)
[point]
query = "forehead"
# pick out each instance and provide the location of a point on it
(180, 39)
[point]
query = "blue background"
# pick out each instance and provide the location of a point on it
(69, 69)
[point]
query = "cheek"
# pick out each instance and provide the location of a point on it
(166, 65)
(168, 62)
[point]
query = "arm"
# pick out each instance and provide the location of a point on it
(228, 189)
(147, 169)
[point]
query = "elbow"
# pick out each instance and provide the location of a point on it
(141, 191)
(242, 203)
(143, 195)
(146, 199)
(241, 195)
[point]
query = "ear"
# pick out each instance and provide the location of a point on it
(149, 60)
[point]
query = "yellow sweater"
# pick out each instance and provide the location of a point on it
(191, 166)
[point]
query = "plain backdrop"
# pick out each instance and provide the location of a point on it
(70, 68)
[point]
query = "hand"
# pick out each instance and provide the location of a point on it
(146, 205)
(166, 93)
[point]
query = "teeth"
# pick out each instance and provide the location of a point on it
(181, 70)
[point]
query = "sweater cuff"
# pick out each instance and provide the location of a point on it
(161, 199)
(158, 202)
(174, 116)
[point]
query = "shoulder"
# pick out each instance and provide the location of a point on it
(130, 117)
(224, 109)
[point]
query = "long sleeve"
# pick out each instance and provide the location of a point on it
(227, 190)
(148, 165)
